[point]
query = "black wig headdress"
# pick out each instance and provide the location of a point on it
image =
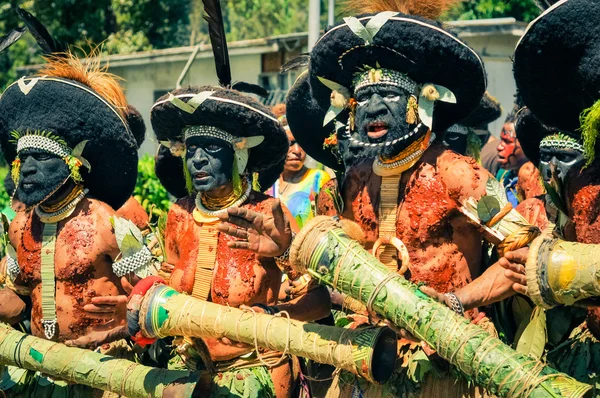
(557, 70)
(80, 107)
(223, 107)
(418, 48)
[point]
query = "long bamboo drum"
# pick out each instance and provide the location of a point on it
(103, 372)
(562, 273)
(324, 250)
(367, 352)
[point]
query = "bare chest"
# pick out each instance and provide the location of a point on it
(439, 241)
(77, 250)
(234, 276)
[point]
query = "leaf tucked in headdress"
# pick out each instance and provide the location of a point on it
(590, 130)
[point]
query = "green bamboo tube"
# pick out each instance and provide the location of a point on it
(324, 250)
(562, 273)
(368, 352)
(103, 372)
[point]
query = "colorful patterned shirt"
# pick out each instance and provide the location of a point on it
(300, 197)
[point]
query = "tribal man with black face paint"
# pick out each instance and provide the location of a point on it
(72, 166)
(224, 239)
(387, 85)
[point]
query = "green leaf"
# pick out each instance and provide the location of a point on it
(555, 197)
(375, 24)
(199, 98)
(445, 94)
(333, 86)
(358, 29)
(182, 105)
(522, 311)
(495, 189)
(487, 208)
(419, 366)
(534, 337)
(331, 114)
(130, 246)
(10, 250)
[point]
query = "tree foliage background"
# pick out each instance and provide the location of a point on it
(126, 26)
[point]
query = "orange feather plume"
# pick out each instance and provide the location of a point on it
(89, 73)
(431, 9)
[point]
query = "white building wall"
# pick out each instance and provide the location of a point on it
(143, 81)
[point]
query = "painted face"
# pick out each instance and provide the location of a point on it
(380, 119)
(295, 156)
(558, 162)
(42, 174)
(209, 162)
(510, 154)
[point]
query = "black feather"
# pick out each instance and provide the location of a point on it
(216, 31)
(11, 38)
(250, 88)
(46, 42)
(300, 61)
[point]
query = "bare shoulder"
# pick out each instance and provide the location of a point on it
(179, 213)
(462, 175)
(133, 211)
(17, 225)
(183, 205)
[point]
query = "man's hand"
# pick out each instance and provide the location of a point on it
(437, 296)
(514, 265)
(107, 308)
(101, 335)
(268, 235)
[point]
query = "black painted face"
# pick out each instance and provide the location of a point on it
(42, 173)
(380, 119)
(559, 162)
(209, 162)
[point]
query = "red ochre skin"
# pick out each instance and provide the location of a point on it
(240, 277)
(445, 249)
(85, 249)
(534, 211)
(132, 210)
(529, 184)
(583, 196)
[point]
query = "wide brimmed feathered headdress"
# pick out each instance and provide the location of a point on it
(79, 110)
(415, 52)
(557, 69)
(224, 112)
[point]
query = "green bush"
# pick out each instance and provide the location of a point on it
(4, 196)
(149, 191)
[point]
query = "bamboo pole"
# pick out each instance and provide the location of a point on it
(324, 250)
(103, 372)
(562, 273)
(367, 352)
